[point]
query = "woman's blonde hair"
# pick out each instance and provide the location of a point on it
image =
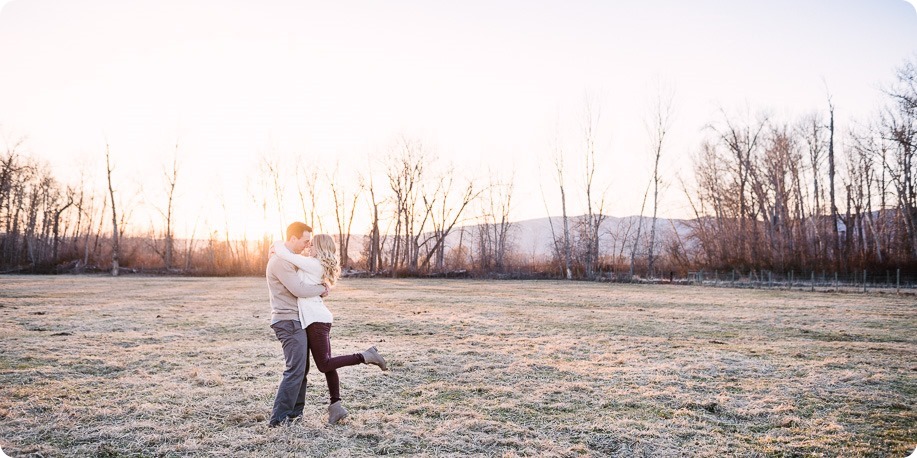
(327, 254)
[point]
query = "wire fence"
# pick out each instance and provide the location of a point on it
(888, 281)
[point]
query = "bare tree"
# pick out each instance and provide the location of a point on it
(831, 177)
(899, 122)
(812, 130)
(11, 188)
(636, 244)
(97, 239)
(775, 186)
(406, 169)
(595, 201)
(343, 215)
(189, 245)
(619, 234)
(90, 248)
(742, 140)
(307, 176)
(658, 126)
(115, 235)
(556, 242)
(80, 211)
(559, 179)
(446, 211)
(271, 173)
(171, 177)
(373, 248)
(494, 231)
(58, 211)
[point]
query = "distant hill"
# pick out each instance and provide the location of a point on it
(532, 238)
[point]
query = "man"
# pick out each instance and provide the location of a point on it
(285, 286)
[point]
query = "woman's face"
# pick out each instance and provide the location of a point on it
(312, 251)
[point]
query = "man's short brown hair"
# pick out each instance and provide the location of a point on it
(297, 229)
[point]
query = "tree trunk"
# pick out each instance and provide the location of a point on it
(115, 246)
(563, 205)
(831, 192)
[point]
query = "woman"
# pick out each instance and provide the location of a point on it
(322, 266)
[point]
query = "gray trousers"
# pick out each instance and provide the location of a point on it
(291, 395)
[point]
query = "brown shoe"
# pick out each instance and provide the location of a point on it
(336, 412)
(372, 356)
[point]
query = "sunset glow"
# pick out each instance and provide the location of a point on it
(486, 85)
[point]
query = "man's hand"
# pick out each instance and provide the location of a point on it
(271, 251)
(327, 290)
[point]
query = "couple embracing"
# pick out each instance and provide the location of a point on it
(299, 273)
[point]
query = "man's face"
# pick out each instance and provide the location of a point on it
(301, 243)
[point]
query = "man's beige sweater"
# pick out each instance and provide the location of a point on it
(285, 286)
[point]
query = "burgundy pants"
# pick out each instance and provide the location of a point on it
(319, 335)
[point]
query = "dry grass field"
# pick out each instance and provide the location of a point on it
(138, 366)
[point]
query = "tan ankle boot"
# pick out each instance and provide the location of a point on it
(372, 356)
(336, 412)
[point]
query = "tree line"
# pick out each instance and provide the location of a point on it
(766, 193)
(783, 196)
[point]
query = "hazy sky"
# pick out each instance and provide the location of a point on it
(485, 83)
